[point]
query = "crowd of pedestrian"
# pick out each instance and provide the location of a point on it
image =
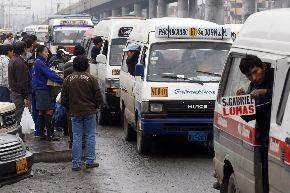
(26, 68)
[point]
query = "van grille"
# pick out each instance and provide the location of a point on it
(11, 150)
(9, 119)
(197, 108)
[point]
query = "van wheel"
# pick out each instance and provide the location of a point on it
(143, 141)
(103, 115)
(128, 130)
(233, 186)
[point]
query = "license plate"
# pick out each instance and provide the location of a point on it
(21, 166)
(197, 136)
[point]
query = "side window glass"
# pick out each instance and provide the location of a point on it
(283, 100)
(124, 67)
(143, 56)
(236, 79)
(105, 47)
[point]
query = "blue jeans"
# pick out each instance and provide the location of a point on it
(89, 124)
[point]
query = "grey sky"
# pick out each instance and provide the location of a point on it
(40, 7)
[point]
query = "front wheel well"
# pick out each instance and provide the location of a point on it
(227, 171)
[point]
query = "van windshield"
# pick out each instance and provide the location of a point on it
(187, 61)
(116, 52)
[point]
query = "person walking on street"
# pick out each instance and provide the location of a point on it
(6, 53)
(67, 70)
(9, 39)
(41, 73)
(81, 95)
(19, 80)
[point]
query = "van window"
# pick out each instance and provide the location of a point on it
(283, 100)
(116, 52)
(186, 61)
(91, 45)
(235, 79)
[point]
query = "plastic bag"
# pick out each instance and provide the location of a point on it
(27, 122)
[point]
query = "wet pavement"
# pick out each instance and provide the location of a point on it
(172, 167)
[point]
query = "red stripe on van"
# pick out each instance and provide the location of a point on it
(235, 128)
(279, 150)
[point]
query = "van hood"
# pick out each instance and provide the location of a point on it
(6, 138)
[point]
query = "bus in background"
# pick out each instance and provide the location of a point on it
(67, 30)
(41, 31)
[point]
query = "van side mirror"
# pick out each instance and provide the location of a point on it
(139, 70)
(101, 58)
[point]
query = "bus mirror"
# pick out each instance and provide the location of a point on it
(101, 58)
(139, 70)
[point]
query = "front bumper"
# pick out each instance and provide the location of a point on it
(176, 126)
(8, 173)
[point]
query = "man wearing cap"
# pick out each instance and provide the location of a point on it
(60, 57)
(133, 51)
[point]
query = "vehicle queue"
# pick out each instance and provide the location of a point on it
(172, 88)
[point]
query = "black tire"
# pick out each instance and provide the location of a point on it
(232, 185)
(224, 186)
(129, 133)
(143, 141)
(103, 116)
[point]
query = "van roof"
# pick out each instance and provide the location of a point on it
(89, 33)
(268, 31)
(141, 31)
(110, 27)
(234, 27)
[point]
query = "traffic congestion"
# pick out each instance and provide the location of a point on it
(130, 103)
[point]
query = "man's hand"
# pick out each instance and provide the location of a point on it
(26, 103)
(258, 93)
(240, 91)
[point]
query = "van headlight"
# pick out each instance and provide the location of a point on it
(1, 121)
(156, 107)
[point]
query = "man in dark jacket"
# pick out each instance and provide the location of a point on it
(67, 70)
(96, 50)
(19, 79)
(260, 89)
(81, 95)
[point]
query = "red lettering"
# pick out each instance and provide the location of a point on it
(232, 111)
(225, 113)
(239, 110)
(245, 110)
(251, 109)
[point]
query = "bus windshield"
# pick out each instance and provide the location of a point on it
(41, 36)
(187, 61)
(68, 35)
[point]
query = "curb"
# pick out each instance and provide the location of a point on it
(52, 157)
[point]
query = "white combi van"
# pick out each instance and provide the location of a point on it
(114, 32)
(176, 81)
(235, 29)
(237, 160)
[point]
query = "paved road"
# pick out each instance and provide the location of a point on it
(181, 168)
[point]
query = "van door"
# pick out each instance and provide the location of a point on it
(279, 142)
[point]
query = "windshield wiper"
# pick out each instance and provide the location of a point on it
(183, 78)
(210, 73)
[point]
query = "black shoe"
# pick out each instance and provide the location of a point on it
(42, 137)
(76, 169)
(92, 165)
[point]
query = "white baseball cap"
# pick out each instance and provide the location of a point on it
(132, 47)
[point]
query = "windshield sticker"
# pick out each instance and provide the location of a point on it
(159, 91)
(194, 92)
(125, 31)
(238, 105)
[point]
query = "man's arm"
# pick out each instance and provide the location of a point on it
(65, 94)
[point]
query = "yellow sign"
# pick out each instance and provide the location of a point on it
(193, 32)
(21, 166)
(116, 72)
(159, 91)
